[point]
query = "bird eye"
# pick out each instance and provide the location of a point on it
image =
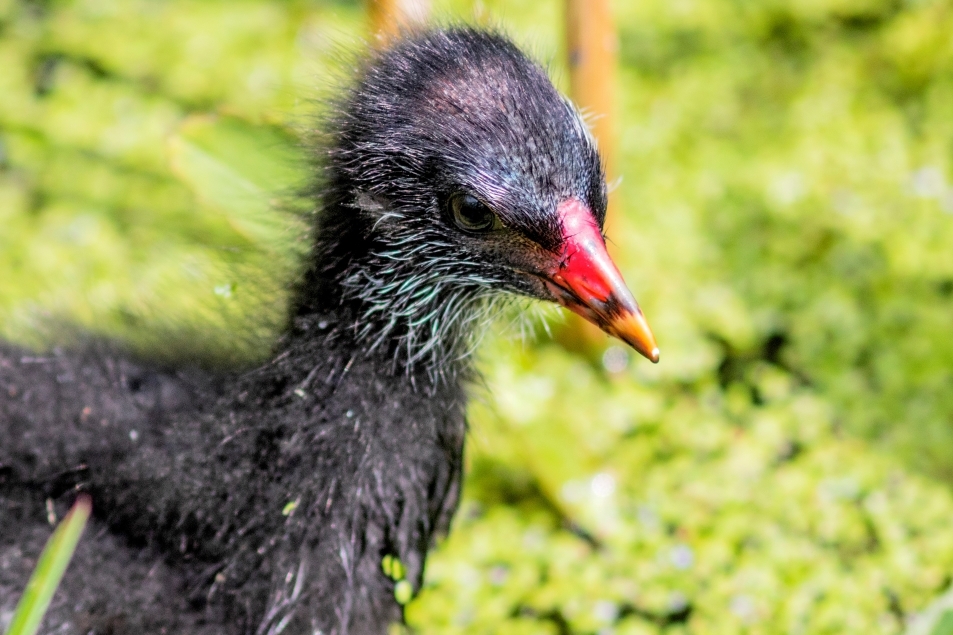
(472, 215)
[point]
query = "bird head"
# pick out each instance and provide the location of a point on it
(466, 174)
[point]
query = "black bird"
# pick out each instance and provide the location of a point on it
(265, 501)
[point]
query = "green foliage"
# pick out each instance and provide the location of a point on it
(786, 221)
(49, 570)
(597, 505)
(106, 222)
(945, 625)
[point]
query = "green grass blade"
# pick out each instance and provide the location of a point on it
(49, 570)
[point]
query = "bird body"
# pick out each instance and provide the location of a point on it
(264, 500)
(306, 470)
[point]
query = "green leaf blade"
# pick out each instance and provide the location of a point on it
(50, 569)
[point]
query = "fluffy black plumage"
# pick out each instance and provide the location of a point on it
(263, 501)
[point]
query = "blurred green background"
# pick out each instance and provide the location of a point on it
(787, 225)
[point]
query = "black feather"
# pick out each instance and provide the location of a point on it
(264, 501)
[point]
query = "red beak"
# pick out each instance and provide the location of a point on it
(587, 282)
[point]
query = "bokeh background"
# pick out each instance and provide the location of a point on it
(785, 217)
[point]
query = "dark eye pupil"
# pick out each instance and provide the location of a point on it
(470, 214)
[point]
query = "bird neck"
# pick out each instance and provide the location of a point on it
(412, 314)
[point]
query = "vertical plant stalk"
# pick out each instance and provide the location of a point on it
(593, 49)
(592, 46)
(50, 569)
(389, 17)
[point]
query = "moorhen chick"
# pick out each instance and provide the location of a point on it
(264, 501)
